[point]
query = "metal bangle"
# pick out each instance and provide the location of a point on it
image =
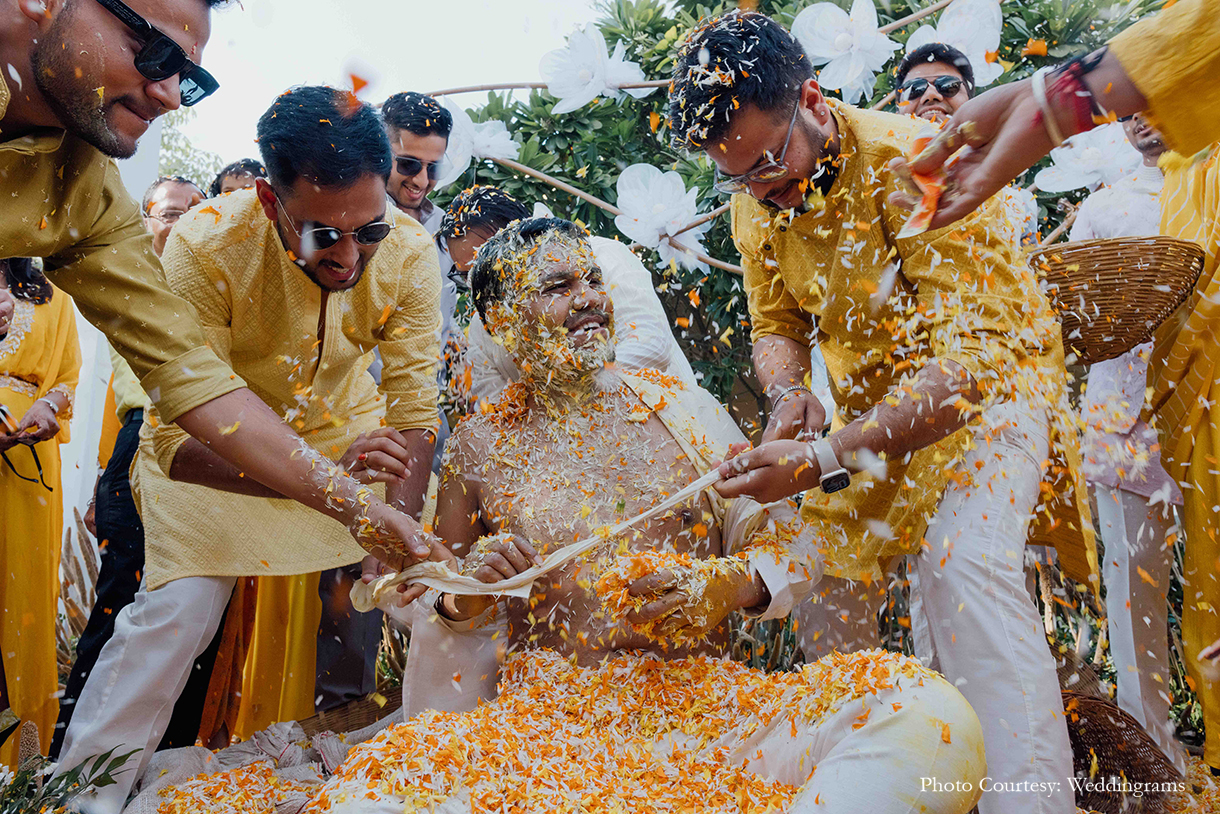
(788, 391)
(54, 407)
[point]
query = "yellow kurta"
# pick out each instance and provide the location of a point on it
(64, 202)
(1185, 394)
(40, 355)
(261, 313)
(880, 308)
(1174, 59)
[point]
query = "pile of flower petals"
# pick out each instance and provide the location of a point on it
(251, 789)
(634, 734)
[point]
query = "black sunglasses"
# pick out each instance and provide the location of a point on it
(160, 57)
(324, 237)
(946, 86)
(409, 166)
(6, 419)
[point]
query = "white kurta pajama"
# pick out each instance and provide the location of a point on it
(1134, 493)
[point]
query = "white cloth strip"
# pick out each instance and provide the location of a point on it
(435, 575)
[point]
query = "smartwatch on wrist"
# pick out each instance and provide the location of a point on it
(834, 477)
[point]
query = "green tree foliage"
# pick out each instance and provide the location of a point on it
(180, 157)
(588, 148)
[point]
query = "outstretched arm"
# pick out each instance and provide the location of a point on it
(1006, 135)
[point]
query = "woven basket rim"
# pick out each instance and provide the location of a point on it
(1111, 295)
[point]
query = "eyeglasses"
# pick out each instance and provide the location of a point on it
(459, 278)
(409, 166)
(160, 57)
(323, 237)
(946, 86)
(6, 419)
(168, 218)
(772, 170)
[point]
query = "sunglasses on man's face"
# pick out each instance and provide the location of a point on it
(409, 167)
(160, 57)
(946, 86)
(323, 237)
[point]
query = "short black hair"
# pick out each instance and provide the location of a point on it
(323, 134)
(738, 59)
(243, 166)
(493, 264)
(485, 208)
(160, 182)
(26, 281)
(937, 52)
(417, 114)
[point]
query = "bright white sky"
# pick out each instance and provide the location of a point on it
(263, 47)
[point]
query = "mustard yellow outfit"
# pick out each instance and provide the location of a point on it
(1173, 59)
(880, 308)
(40, 355)
(261, 313)
(64, 202)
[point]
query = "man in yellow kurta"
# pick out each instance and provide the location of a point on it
(1165, 66)
(951, 438)
(81, 83)
(296, 282)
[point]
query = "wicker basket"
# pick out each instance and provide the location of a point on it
(1110, 295)
(1109, 743)
(354, 715)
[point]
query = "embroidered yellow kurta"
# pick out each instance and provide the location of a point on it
(39, 355)
(64, 202)
(880, 308)
(261, 313)
(1185, 394)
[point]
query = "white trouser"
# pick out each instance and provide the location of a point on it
(129, 697)
(978, 623)
(1134, 534)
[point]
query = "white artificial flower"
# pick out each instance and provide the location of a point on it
(850, 47)
(656, 204)
(473, 142)
(1099, 157)
(972, 27)
(584, 69)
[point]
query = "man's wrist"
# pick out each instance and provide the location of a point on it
(776, 395)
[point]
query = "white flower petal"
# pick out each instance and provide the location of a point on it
(816, 29)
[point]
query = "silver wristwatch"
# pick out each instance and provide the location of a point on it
(834, 477)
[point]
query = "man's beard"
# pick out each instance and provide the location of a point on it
(77, 106)
(825, 169)
(553, 360)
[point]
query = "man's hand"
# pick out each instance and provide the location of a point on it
(7, 304)
(38, 424)
(772, 472)
(796, 413)
(395, 539)
(694, 614)
(492, 560)
(381, 456)
(371, 568)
